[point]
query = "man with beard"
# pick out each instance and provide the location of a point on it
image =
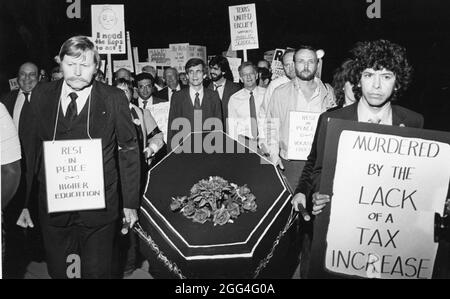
(222, 81)
(304, 93)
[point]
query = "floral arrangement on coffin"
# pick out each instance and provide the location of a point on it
(215, 200)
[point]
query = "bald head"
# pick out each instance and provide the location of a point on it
(28, 76)
(124, 74)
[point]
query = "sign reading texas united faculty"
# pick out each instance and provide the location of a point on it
(243, 27)
(74, 175)
(108, 28)
(385, 196)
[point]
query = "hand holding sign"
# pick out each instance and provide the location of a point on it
(319, 202)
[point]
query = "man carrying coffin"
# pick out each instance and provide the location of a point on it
(80, 108)
(383, 74)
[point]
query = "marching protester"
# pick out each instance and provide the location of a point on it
(265, 77)
(184, 82)
(18, 105)
(222, 81)
(305, 93)
(150, 141)
(173, 85)
(145, 88)
(191, 106)
(244, 107)
(80, 108)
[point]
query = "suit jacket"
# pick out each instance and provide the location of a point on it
(111, 122)
(9, 100)
(229, 89)
(162, 96)
(181, 107)
(400, 117)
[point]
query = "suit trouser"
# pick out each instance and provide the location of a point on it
(93, 246)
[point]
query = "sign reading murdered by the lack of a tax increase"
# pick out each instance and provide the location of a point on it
(74, 175)
(302, 126)
(108, 28)
(243, 27)
(386, 192)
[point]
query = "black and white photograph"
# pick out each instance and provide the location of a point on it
(237, 143)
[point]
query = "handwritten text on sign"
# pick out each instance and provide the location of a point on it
(160, 113)
(243, 27)
(302, 126)
(74, 175)
(385, 194)
(108, 28)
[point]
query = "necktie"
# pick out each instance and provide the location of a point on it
(145, 103)
(197, 101)
(25, 108)
(72, 112)
(171, 94)
(375, 120)
(253, 120)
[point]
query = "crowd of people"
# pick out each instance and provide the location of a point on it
(364, 88)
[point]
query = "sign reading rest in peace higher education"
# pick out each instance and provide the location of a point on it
(108, 28)
(386, 192)
(302, 126)
(74, 175)
(243, 27)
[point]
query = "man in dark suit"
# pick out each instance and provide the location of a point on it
(222, 81)
(378, 84)
(192, 106)
(173, 85)
(78, 107)
(17, 103)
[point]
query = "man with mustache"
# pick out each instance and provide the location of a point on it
(305, 93)
(79, 108)
(222, 81)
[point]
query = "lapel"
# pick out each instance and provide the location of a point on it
(398, 118)
(351, 113)
(49, 108)
(99, 115)
(10, 101)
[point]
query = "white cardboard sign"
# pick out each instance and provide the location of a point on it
(74, 175)
(160, 113)
(108, 28)
(243, 27)
(385, 195)
(302, 126)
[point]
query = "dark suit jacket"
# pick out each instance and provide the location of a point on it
(400, 116)
(111, 122)
(229, 89)
(181, 107)
(9, 100)
(161, 96)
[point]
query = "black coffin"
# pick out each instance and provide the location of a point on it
(204, 250)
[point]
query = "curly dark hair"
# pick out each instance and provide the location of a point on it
(346, 72)
(382, 54)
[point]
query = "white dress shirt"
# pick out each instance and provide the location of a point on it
(383, 116)
(192, 93)
(82, 98)
(149, 102)
(239, 122)
(9, 139)
(220, 89)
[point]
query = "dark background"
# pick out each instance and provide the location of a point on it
(35, 29)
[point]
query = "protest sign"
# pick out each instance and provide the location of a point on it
(243, 27)
(179, 55)
(13, 84)
(380, 222)
(126, 64)
(198, 52)
(159, 57)
(389, 222)
(277, 64)
(234, 66)
(74, 175)
(160, 113)
(108, 28)
(302, 126)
